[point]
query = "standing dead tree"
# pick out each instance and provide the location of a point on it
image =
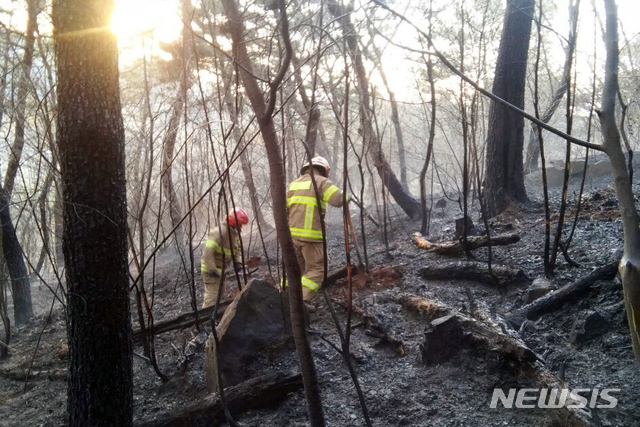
(264, 113)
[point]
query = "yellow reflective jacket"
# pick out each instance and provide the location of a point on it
(304, 216)
(218, 246)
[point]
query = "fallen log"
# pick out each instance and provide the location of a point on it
(259, 392)
(502, 275)
(456, 246)
(449, 334)
(183, 321)
(568, 293)
(24, 375)
(451, 331)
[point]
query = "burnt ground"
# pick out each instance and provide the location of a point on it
(400, 390)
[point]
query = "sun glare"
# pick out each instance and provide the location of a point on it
(133, 19)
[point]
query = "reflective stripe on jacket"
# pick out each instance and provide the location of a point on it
(218, 246)
(304, 216)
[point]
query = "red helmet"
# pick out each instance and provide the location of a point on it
(320, 162)
(240, 214)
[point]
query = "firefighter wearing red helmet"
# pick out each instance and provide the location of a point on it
(222, 246)
(304, 221)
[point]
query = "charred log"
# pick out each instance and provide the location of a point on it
(183, 321)
(473, 242)
(260, 392)
(500, 275)
(568, 293)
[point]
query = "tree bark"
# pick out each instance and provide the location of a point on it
(405, 200)
(629, 267)
(91, 147)
(504, 179)
(264, 113)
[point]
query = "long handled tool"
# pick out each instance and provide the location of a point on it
(361, 271)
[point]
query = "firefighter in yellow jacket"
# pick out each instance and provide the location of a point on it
(218, 252)
(304, 221)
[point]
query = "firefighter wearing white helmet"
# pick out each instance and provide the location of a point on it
(222, 246)
(304, 221)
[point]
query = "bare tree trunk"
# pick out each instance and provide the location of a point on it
(407, 202)
(169, 141)
(20, 285)
(432, 133)
(395, 115)
(5, 71)
(630, 264)
(91, 146)
(314, 124)
(6, 322)
(533, 146)
(504, 179)
(245, 162)
(278, 193)
(42, 207)
(21, 96)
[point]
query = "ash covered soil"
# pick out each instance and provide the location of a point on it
(400, 390)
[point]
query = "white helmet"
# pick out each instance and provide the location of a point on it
(318, 161)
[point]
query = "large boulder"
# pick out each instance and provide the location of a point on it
(255, 326)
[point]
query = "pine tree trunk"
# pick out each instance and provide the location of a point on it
(91, 148)
(504, 179)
